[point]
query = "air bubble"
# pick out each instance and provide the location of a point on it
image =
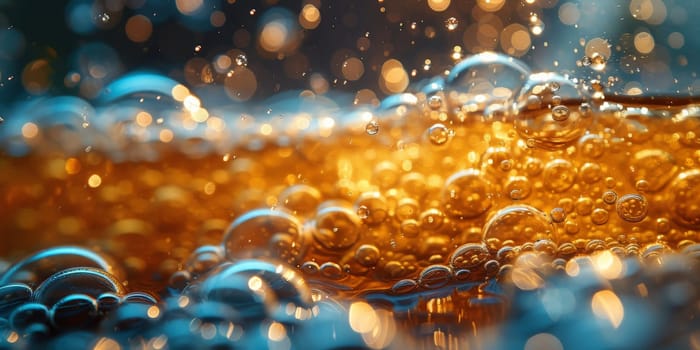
(451, 23)
(74, 311)
(686, 199)
(559, 175)
(372, 128)
(653, 166)
(599, 216)
(435, 276)
(486, 79)
(550, 128)
(468, 256)
(558, 214)
(438, 134)
(13, 295)
(371, 208)
(367, 255)
(300, 199)
(560, 113)
(435, 102)
(609, 197)
(85, 280)
(519, 223)
(632, 207)
(467, 194)
(336, 227)
(265, 233)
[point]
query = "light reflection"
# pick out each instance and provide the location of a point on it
(607, 306)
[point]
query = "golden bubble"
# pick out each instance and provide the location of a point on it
(138, 28)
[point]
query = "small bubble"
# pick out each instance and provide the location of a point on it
(363, 212)
(435, 102)
(438, 134)
(597, 62)
(609, 197)
(372, 128)
(642, 185)
(198, 48)
(560, 113)
(558, 214)
(632, 207)
(599, 216)
(451, 23)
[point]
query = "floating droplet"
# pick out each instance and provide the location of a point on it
(372, 128)
(438, 134)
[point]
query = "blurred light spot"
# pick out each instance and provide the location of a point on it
(187, 7)
(362, 317)
(255, 283)
(94, 181)
(153, 312)
(606, 305)
(191, 103)
(241, 83)
(180, 92)
(515, 40)
(393, 78)
(569, 13)
(439, 5)
(274, 36)
(353, 69)
(143, 119)
(526, 278)
(276, 332)
(138, 28)
(676, 40)
(166, 135)
(543, 341)
(607, 264)
(30, 130)
(107, 344)
(384, 332)
(217, 19)
(490, 5)
(310, 17)
(598, 46)
(36, 76)
(644, 42)
(72, 166)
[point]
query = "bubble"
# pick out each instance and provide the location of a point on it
(451, 23)
(265, 233)
(558, 214)
(468, 256)
(336, 227)
(28, 314)
(438, 134)
(300, 199)
(599, 216)
(431, 219)
(410, 228)
(372, 128)
(404, 286)
(632, 207)
(435, 102)
(519, 223)
(367, 255)
(371, 208)
(204, 259)
(310, 267)
(74, 311)
(559, 175)
(467, 194)
(560, 113)
(332, 270)
(597, 62)
(435, 276)
(685, 205)
(518, 187)
(591, 173)
(13, 295)
(407, 208)
(84, 280)
(609, 197)
(555, 127)
(653, 166)
(37, 267)
(486, 79)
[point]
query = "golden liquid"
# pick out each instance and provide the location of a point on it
(455, 213)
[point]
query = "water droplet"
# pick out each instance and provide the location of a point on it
(451, 23)
(438, 134)
(519, 223)
(632, 207)
(372, 128)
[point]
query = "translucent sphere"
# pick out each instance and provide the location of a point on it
(519, 223)
(548, 111)
(467, 194)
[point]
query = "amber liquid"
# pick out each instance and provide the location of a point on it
(435, 225)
